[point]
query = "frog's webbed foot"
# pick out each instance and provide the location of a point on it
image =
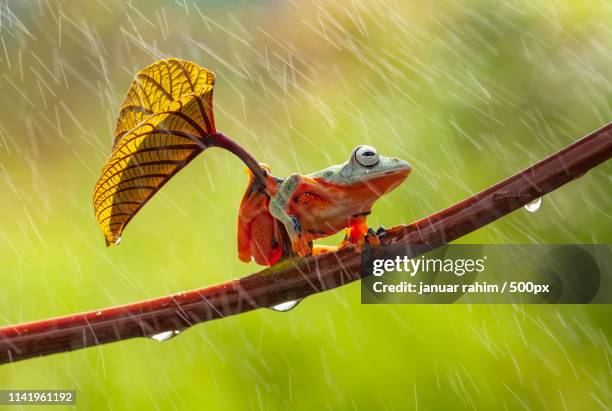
(372, 237)
(358, 245)
(381, 232)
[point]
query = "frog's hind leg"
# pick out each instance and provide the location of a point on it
(260, 236)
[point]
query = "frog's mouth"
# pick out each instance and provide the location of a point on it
(396, 174)
(400, 168)
(382, 182)
(390, 173)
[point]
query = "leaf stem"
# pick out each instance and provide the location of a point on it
(220, 140)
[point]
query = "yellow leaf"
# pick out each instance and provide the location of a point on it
(162, 125)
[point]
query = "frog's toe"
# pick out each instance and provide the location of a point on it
(381, 232)
(372, 237)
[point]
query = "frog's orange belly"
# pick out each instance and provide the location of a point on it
(322, 222)
(320, 228)
(324, 210)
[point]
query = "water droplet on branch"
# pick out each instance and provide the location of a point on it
(534, 205)
(286, 306)
(165, 335)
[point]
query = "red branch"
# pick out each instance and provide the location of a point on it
(300, 277)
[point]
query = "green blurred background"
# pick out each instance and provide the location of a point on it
(467, 92)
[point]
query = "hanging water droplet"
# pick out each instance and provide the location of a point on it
(165, 335)
(117, 240)
(286, 306)
(534, 205)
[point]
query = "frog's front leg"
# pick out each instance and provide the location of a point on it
(279, 205)
(358, 234)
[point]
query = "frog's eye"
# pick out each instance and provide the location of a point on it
(366, 156)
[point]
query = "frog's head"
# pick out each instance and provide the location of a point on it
(379, 173)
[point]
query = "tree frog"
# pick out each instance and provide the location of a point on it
(287, 215)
